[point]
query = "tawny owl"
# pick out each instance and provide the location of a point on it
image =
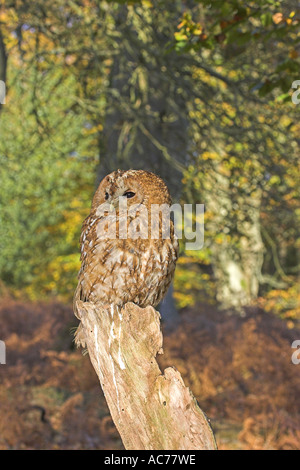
(125, 255)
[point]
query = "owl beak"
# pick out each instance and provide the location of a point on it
(114, 204)
(117, 203)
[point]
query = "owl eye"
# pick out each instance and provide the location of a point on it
(106, 196)
(129, 194)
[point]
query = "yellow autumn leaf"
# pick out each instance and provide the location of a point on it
(147, 3)
(197, 31)
(180, 36)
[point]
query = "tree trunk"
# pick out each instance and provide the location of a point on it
(151, 410)
(237, 262)
(146, 122)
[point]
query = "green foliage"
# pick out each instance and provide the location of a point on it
(231, 27)
(47, 176)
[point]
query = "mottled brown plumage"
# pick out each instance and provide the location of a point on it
(115, 271)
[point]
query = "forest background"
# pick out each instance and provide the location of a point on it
(205, 94)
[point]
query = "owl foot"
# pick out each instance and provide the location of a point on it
(79, 337)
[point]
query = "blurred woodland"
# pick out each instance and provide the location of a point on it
(199, 92)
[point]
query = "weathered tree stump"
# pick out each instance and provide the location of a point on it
(151, 410)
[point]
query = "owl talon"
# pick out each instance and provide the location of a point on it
(79, 337)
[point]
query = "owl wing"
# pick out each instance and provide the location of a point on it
(104, 269)
(88, 234)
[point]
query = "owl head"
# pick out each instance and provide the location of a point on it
(137, 186)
